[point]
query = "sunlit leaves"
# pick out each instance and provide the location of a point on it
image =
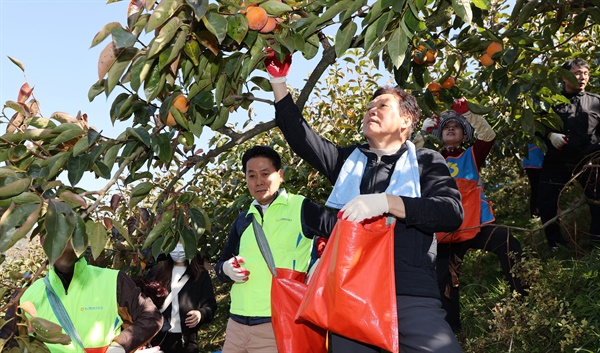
(167, 32)
(123, 38)
(59, 223)
(463, 10)
(162, 13)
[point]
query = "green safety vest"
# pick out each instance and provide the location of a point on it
(282, 225)
(91, 302)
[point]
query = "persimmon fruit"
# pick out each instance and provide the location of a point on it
(269, 26)
(257, 17)
(180, 103)
(449, 83)
(493, 48)
(486, 60)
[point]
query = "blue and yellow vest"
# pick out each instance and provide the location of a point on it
(91, 302)
(282, 224)
(477, 209)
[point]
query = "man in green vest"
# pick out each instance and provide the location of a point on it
(290, 223)
(106, 308)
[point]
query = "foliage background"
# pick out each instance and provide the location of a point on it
(159, 186)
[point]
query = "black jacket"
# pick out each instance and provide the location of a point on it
(438, 209)
(580, 119)
(196, 294)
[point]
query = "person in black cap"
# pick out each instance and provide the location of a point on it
(456, 128)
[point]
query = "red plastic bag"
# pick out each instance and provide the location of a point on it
(287, 291)
(353, 290)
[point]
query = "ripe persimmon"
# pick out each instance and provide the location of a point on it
(493, 48)
(434, 87)
(431, 56)
(420, 55)
(269, 26)
(180, 103)
(449, 83)
(486, 60)
(257, 18)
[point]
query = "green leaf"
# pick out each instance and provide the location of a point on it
(237, 28)
(216, 24)
(74, 132)
(96, 89)
(397, 47)
(192, 50)
(16, 222)
(200, 7)
(139, 133)
(167, 32)
(59, 222)
(14, 188)
(79, 240)
(463, 10)
(178, 45)
(352, 10)
(479, 109)
(92, 137)
(154, 84)
(482, 4)
(188, 240)
(136, 72)
(56, 163)
(161, 145)
(276, 8)
(343, 37)
(311, 47)
(124, 232)
(123, 38)
(118, 68)
(76, 167)
(101, 170)
(162, 13)
(111, 155)
(328, 15)
(96, 237)
(261, 82)
(528, 122)
(105, 32)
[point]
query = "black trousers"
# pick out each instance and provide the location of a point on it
(533, 175)
(552, 181)
(450, 255)
(176, 342)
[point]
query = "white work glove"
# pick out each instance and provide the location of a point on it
(430, 123)
(365, 206)
(115, 348)
(234, 271)
(558, 140)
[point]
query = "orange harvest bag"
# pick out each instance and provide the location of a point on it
(353, 290)
(287, 291)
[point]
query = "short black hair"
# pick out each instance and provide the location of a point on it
(261, 151)
(575, 62)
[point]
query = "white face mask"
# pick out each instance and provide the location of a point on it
(178, 254)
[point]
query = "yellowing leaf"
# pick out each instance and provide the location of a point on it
(107, 58)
